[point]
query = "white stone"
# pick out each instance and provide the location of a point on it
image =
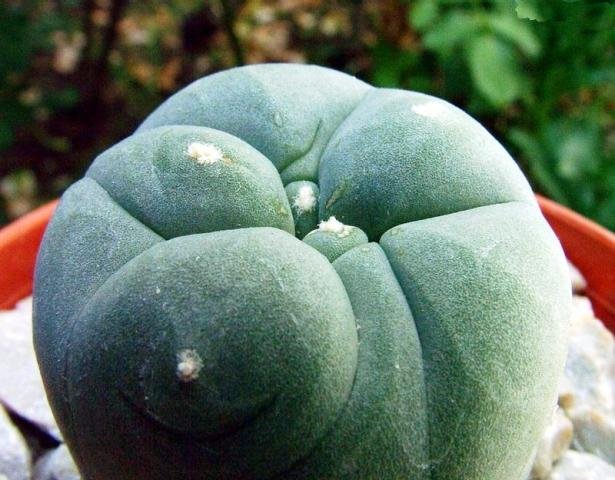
(576, 278)
(553, 443)
(57, 464)
(14, 453)
(590, 366)
(582, 466)
(21, 387)
(594, 432)
(587, 390)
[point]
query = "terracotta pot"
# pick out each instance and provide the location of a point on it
(589, 246)
(19, 242)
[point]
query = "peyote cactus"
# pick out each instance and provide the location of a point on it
(185, 331)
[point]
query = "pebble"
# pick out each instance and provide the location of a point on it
(590, 366)
(594, 432)
(585, 419)
(582, 466)
(14, 453)
(587, 391)
(578, 282)
(553, 444)
(21, 387)
(56, 465)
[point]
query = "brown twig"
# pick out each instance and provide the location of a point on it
(88, 29)
(110, 34)
(93, 70)
(228, 19)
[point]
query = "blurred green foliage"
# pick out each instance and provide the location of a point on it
(545, 88)
(76, 76)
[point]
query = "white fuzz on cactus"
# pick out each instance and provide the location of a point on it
(431, 109)
(305, 201)
(204, 153)
(189, 364)
(333, 225)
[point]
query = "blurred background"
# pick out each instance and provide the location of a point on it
(77, 76)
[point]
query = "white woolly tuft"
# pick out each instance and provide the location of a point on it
(305, 201)
(333, 225)
(430, 109)
(189, 365)
(204, 153)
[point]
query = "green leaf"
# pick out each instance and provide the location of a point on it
(530, 10)
(516, 31)
(16, 40)
(390, 65)
(65, 98)
(577, 149)
(456, 28)
(494, 70)
(423, 14)
(538, 164)
(604, 212)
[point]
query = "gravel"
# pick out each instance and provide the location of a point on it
(579, 444)
(14, 453)
(56, 464)
(21, 387)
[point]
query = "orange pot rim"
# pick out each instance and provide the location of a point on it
(577, 221)
(591, 248)
(19, 242)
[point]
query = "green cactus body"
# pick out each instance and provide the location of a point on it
(185, 331)
(333, 238)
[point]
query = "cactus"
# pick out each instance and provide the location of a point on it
(287, 273)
